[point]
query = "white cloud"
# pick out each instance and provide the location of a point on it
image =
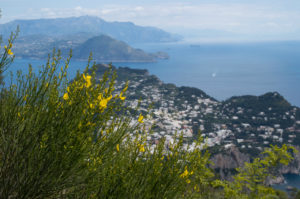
(109, 11)
(243, 18)
(229, 17)
(67, 12)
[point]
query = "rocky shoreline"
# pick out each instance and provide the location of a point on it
(225, 164)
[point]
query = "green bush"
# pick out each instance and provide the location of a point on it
(77, 139)
(297, 196)
(61, 139)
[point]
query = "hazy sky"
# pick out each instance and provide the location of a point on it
(246, 19)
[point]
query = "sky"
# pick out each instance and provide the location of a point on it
(206, 19)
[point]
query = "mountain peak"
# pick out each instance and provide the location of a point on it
(107, 49)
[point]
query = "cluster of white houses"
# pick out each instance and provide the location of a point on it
(174, 112)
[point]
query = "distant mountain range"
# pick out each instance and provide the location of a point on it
(124, 31)
(108, 41)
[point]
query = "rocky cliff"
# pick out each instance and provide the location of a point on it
(227, 161)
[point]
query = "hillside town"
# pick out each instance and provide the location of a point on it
(248, 122)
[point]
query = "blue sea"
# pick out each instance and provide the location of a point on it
(225, 70)
(221, 70)
(292, 180)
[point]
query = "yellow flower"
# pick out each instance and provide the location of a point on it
(122, 97)
(9, 52)
(142, 148)
(92, 106)
(141, 117)
(80, 86)
(88, 80)
(103, 103)
(90, 124)
(99, 97)
(118, 147)
(195, 187)
(188, 181)
(185, 173)
(66, 96)
(109, 98)
(88, 84)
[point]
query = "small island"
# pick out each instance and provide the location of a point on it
(104, 48)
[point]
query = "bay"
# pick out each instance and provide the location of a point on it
(221, 70)
(225, 70)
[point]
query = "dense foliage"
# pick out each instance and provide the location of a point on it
(76, 139)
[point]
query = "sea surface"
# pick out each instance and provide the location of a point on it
(292, 180)
(225, 70)
(220, 70)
